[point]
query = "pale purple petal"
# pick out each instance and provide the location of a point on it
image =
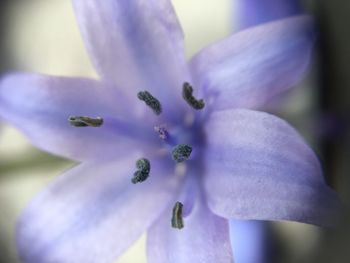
(137, 44)
(204, 238)
(258, 167)
(40, 106)
(93, 212)
(254, 12)
(254, 65)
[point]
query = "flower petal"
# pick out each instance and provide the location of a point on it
(205, 238)
(254, 12)
(258, 167)
(138, 44)
(249, 68)
(93, 213)
(40, 107)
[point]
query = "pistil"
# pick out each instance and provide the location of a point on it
(162, 132)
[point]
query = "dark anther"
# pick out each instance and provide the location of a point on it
(161, 130)
(187, 91)
(181, 152)
(82, 121)
(177, 220)
(151, 101)
(144, 167)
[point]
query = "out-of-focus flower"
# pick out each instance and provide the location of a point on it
(217, 158)
(254, 12)
(250, 241)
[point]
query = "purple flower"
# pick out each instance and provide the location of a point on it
(254, 12)
(216, 158)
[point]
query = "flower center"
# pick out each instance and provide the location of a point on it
(180, 153)
(180, 150)
(161, 130)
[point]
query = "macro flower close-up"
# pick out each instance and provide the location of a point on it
(170, 146)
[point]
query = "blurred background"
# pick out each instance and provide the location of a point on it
(42, 36)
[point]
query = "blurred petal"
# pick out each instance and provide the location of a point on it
(249, 241)
(251, 67)
(258, 167)
(254, 12)
(204, 239)
(40, 106)
(93, 213)
(138, 44)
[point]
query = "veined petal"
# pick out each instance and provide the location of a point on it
(93, 212)
(254, 12)
(258, 167)
(250, 67)
(204, 238)
(40, 106)
(138, 44)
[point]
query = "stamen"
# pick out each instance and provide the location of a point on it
(151, 101)
(83, 121)
(187, 91)
(161, 130)
(143, 165)
(181, 152)
(177, 220)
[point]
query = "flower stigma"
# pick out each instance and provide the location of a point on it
(83, 121)
(150, 101)
(161, 130)
(177, 220)
(144, 166)
(187, 91)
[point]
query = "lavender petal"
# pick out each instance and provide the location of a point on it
(249, 68)
(137, 44)
(92, 213)
(258, 167)
(204, 238)
(40, 107)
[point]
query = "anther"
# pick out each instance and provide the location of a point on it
(162, 132)
(187, 91)
(177, 220)
(144, 167)
(83, 121)
(181, 152)
(151, 101)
